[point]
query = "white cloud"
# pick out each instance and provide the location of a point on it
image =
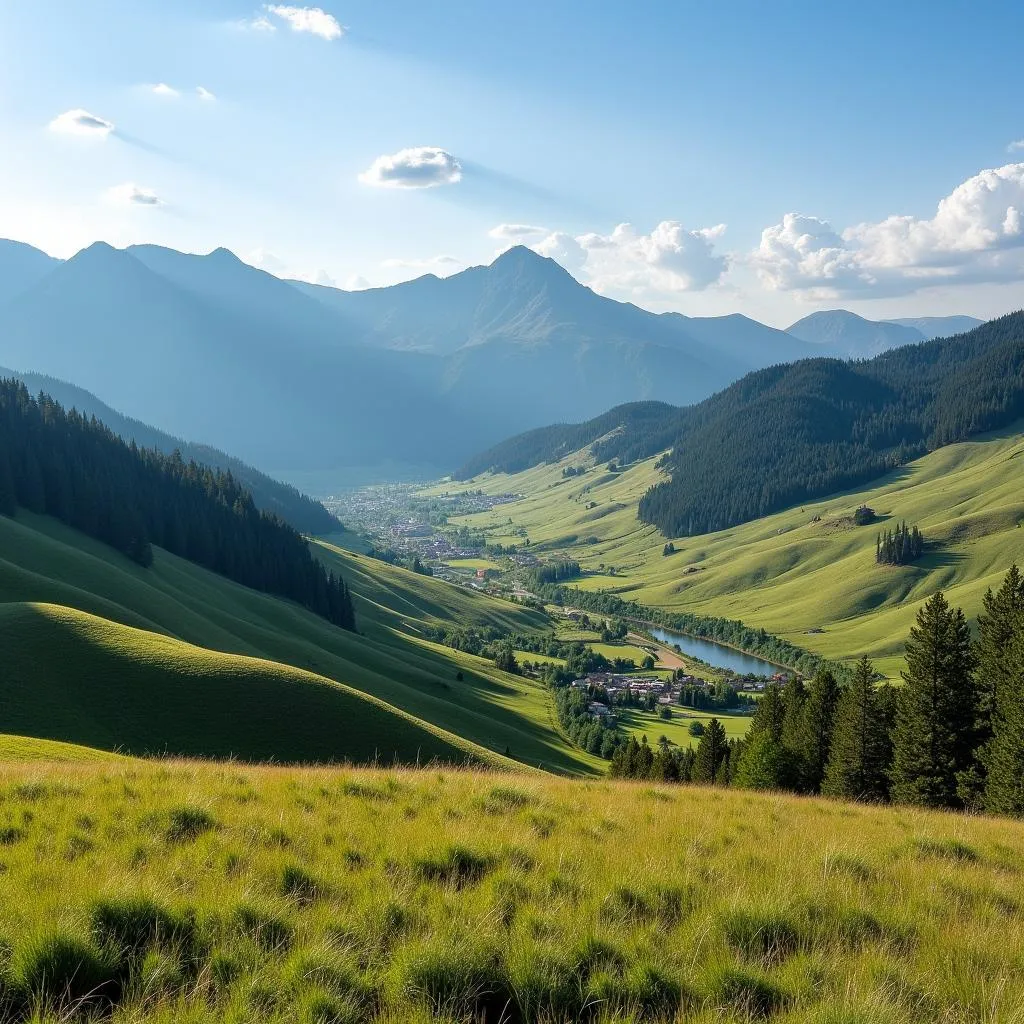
(671, 259)
(81, 122)
(204, 94)
(417, 167)
(307, 19)
(516, 232)
(1016, 146)
(975, 235)
(130, 194)
(357, 283)
(163, 89)
(564, 249)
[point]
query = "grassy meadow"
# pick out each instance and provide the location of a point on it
(808, 573)
(191, 892)
(175, 659)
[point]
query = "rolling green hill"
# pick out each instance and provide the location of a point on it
(807, 573)
(73, 676)
(45, 562)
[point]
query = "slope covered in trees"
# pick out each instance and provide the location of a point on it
(794, 432)
(78, 471)
(286, 502)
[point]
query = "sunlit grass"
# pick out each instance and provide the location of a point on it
(206, 892)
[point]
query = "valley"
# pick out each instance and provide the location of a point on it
(807, 574)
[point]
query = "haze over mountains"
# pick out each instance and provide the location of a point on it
(323, 386)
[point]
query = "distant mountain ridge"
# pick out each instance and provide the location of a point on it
(850, 336)
(311, 383)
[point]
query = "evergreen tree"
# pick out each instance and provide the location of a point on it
(712, 750)
(764, 764)
(858, 756)
(815, 735)
(794, 700)
(1001, 677)
(935, 729)
(997, 624)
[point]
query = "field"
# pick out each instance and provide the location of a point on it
(807, 574)
(179, 660)
(187, 892)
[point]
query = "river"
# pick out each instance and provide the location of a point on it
(714, 653)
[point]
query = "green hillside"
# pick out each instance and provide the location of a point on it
(73, 676)
(44, 562)
(808, 573)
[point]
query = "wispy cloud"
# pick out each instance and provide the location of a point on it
(516, 232)
(81, 122)
(314, 20)
(204, 94)
(130, 194)
(417, 167)
(1016, 146)
(163, 89)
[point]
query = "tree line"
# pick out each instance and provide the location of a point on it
(951, 737)
(75, 469)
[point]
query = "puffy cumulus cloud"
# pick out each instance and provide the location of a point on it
(671, 258)
(564, 249)
(1015, 146)
(81, 122)
(357, 283)
(204, 94)
(306, 19)
(130, 194)
(163, 89)
(417, 167)
(515, 233)
(975, 235)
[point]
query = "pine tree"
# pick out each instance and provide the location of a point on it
(764, 764)
(996, 627)
(711, 751)
(935, 733)
(858, 758)
(1001, 677)
(815, 737)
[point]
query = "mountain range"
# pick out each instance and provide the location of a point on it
(845, 334)
(321, 386)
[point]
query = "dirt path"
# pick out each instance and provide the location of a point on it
(666, 657)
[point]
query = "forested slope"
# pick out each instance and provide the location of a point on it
(797, 431)
(286, 502)
(78, 471)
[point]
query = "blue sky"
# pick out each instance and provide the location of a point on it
(767, 158)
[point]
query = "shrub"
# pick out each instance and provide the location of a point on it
(131, 926)
(764, 936)
(60, 970)
(459, 978)
(746, 993)
(456, 866)
(262, 927)
(945, 849)
(299, 885)
(188, 823)
(664, 904)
